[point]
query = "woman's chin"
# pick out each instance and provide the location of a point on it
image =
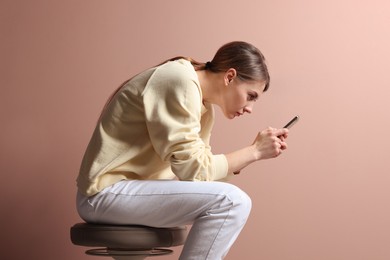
(230, 116)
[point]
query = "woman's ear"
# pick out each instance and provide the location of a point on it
(230, 75)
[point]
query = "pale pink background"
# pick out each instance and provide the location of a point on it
(326, 198)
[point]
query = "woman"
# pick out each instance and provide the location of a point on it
(149, 161)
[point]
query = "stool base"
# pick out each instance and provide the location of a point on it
(128, 254)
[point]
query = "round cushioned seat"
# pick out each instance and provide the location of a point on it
(127, 240)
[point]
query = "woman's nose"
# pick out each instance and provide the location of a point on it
(248, 109)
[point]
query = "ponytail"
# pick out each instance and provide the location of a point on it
(197, 65)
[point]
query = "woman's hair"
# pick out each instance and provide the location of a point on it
(245, 58)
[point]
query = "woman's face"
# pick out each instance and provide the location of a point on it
(240, 97)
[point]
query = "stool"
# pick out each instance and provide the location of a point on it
(127, 242)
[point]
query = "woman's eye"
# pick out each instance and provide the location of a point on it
(252, 97)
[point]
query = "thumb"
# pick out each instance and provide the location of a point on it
(281, 132)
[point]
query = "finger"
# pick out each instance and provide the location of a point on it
(278, 152)
(281, 132)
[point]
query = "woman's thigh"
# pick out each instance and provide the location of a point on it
(160, 203)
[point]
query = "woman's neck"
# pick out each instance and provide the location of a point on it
(210, 84)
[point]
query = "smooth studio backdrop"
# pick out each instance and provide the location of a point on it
(325, 198)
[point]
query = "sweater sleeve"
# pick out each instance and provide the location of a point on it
(173, 102)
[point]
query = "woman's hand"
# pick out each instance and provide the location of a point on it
(270, 143)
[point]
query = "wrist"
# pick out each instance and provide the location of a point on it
(256, 153)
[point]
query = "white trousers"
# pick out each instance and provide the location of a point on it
(217, 211)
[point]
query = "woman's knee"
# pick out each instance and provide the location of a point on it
(240, 200)
(235, 202)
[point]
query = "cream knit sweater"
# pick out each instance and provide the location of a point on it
(156, 127)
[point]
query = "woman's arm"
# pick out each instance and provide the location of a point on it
(269, 143)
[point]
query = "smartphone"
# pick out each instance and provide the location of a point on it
(292, 122)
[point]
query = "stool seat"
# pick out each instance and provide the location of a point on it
(129, 238)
